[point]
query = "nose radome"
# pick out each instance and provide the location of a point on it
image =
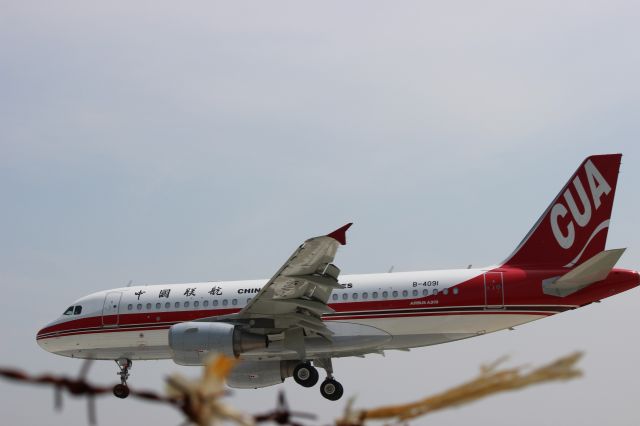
(42, 338)
(40, 341)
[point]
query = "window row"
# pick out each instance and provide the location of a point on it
(394, 294)
(178, 305)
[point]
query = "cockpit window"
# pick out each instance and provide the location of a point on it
(77, 310)
(69, 311)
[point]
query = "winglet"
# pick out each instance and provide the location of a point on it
(340, 234)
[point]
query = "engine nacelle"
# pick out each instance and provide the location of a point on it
(192, 342)
(259, 374)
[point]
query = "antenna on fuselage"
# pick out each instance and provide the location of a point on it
(390, 270)
(130, 282)
(469, 267)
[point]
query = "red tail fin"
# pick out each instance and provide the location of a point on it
(574, 227)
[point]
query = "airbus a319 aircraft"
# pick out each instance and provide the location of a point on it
(308, 313)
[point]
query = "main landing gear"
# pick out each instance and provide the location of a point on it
(306, 375)
(122, 390)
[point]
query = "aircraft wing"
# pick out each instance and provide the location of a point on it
(295, 298)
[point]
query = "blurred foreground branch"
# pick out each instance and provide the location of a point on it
(490, 381)
(201, 400)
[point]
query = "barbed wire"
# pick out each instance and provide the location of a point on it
(80, 387)
(201, 400)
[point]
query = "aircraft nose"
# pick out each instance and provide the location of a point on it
(43, 338)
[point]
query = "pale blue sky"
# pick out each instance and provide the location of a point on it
(173, 142)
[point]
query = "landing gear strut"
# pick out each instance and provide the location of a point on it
(122, 390)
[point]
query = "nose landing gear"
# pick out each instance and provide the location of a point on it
(122, 390)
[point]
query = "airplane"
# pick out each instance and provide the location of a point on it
(308, 313)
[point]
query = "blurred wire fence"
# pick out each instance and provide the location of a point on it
(204, 401)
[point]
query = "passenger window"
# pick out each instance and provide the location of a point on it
(345, 296)
(405, 293)
(455, 290)
(385, 294)
(69, 311)
(225, 302)
(130, 307)
(205, 303)
(335, 296)
(365, 295)
(139, 307)
(355, 296)
(148, 305)
(167, 305)
(425, 292)
(435, 291)
(234, 302)
(395, 294)
(196, 304)
(415, 292)
(177, 305)
(186, 304)
(214, 303)
(374, 294)
(446, 291)
(158, 305)
(77, 310)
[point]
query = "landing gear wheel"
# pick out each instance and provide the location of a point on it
(121, 391)
(305, 375)
(331, 389)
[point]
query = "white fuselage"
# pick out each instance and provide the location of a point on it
(373, 312)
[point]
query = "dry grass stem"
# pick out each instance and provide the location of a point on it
(201, 399)
(490, 381)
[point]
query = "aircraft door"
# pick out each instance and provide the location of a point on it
(110, 310)
(493, 290)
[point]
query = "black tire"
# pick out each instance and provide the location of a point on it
(121, 391)
(331, 389)
(305, 375)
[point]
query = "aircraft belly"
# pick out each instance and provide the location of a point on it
(147, 344)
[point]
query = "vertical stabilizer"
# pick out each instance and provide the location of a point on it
(574, 227)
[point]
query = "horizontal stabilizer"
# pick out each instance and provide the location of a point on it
(593, 270)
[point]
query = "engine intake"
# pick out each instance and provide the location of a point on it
(192, 342)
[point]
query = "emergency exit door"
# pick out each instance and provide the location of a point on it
(493, 290)
(111, 308)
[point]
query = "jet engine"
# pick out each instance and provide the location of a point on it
(192, 342)
(259, 374)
